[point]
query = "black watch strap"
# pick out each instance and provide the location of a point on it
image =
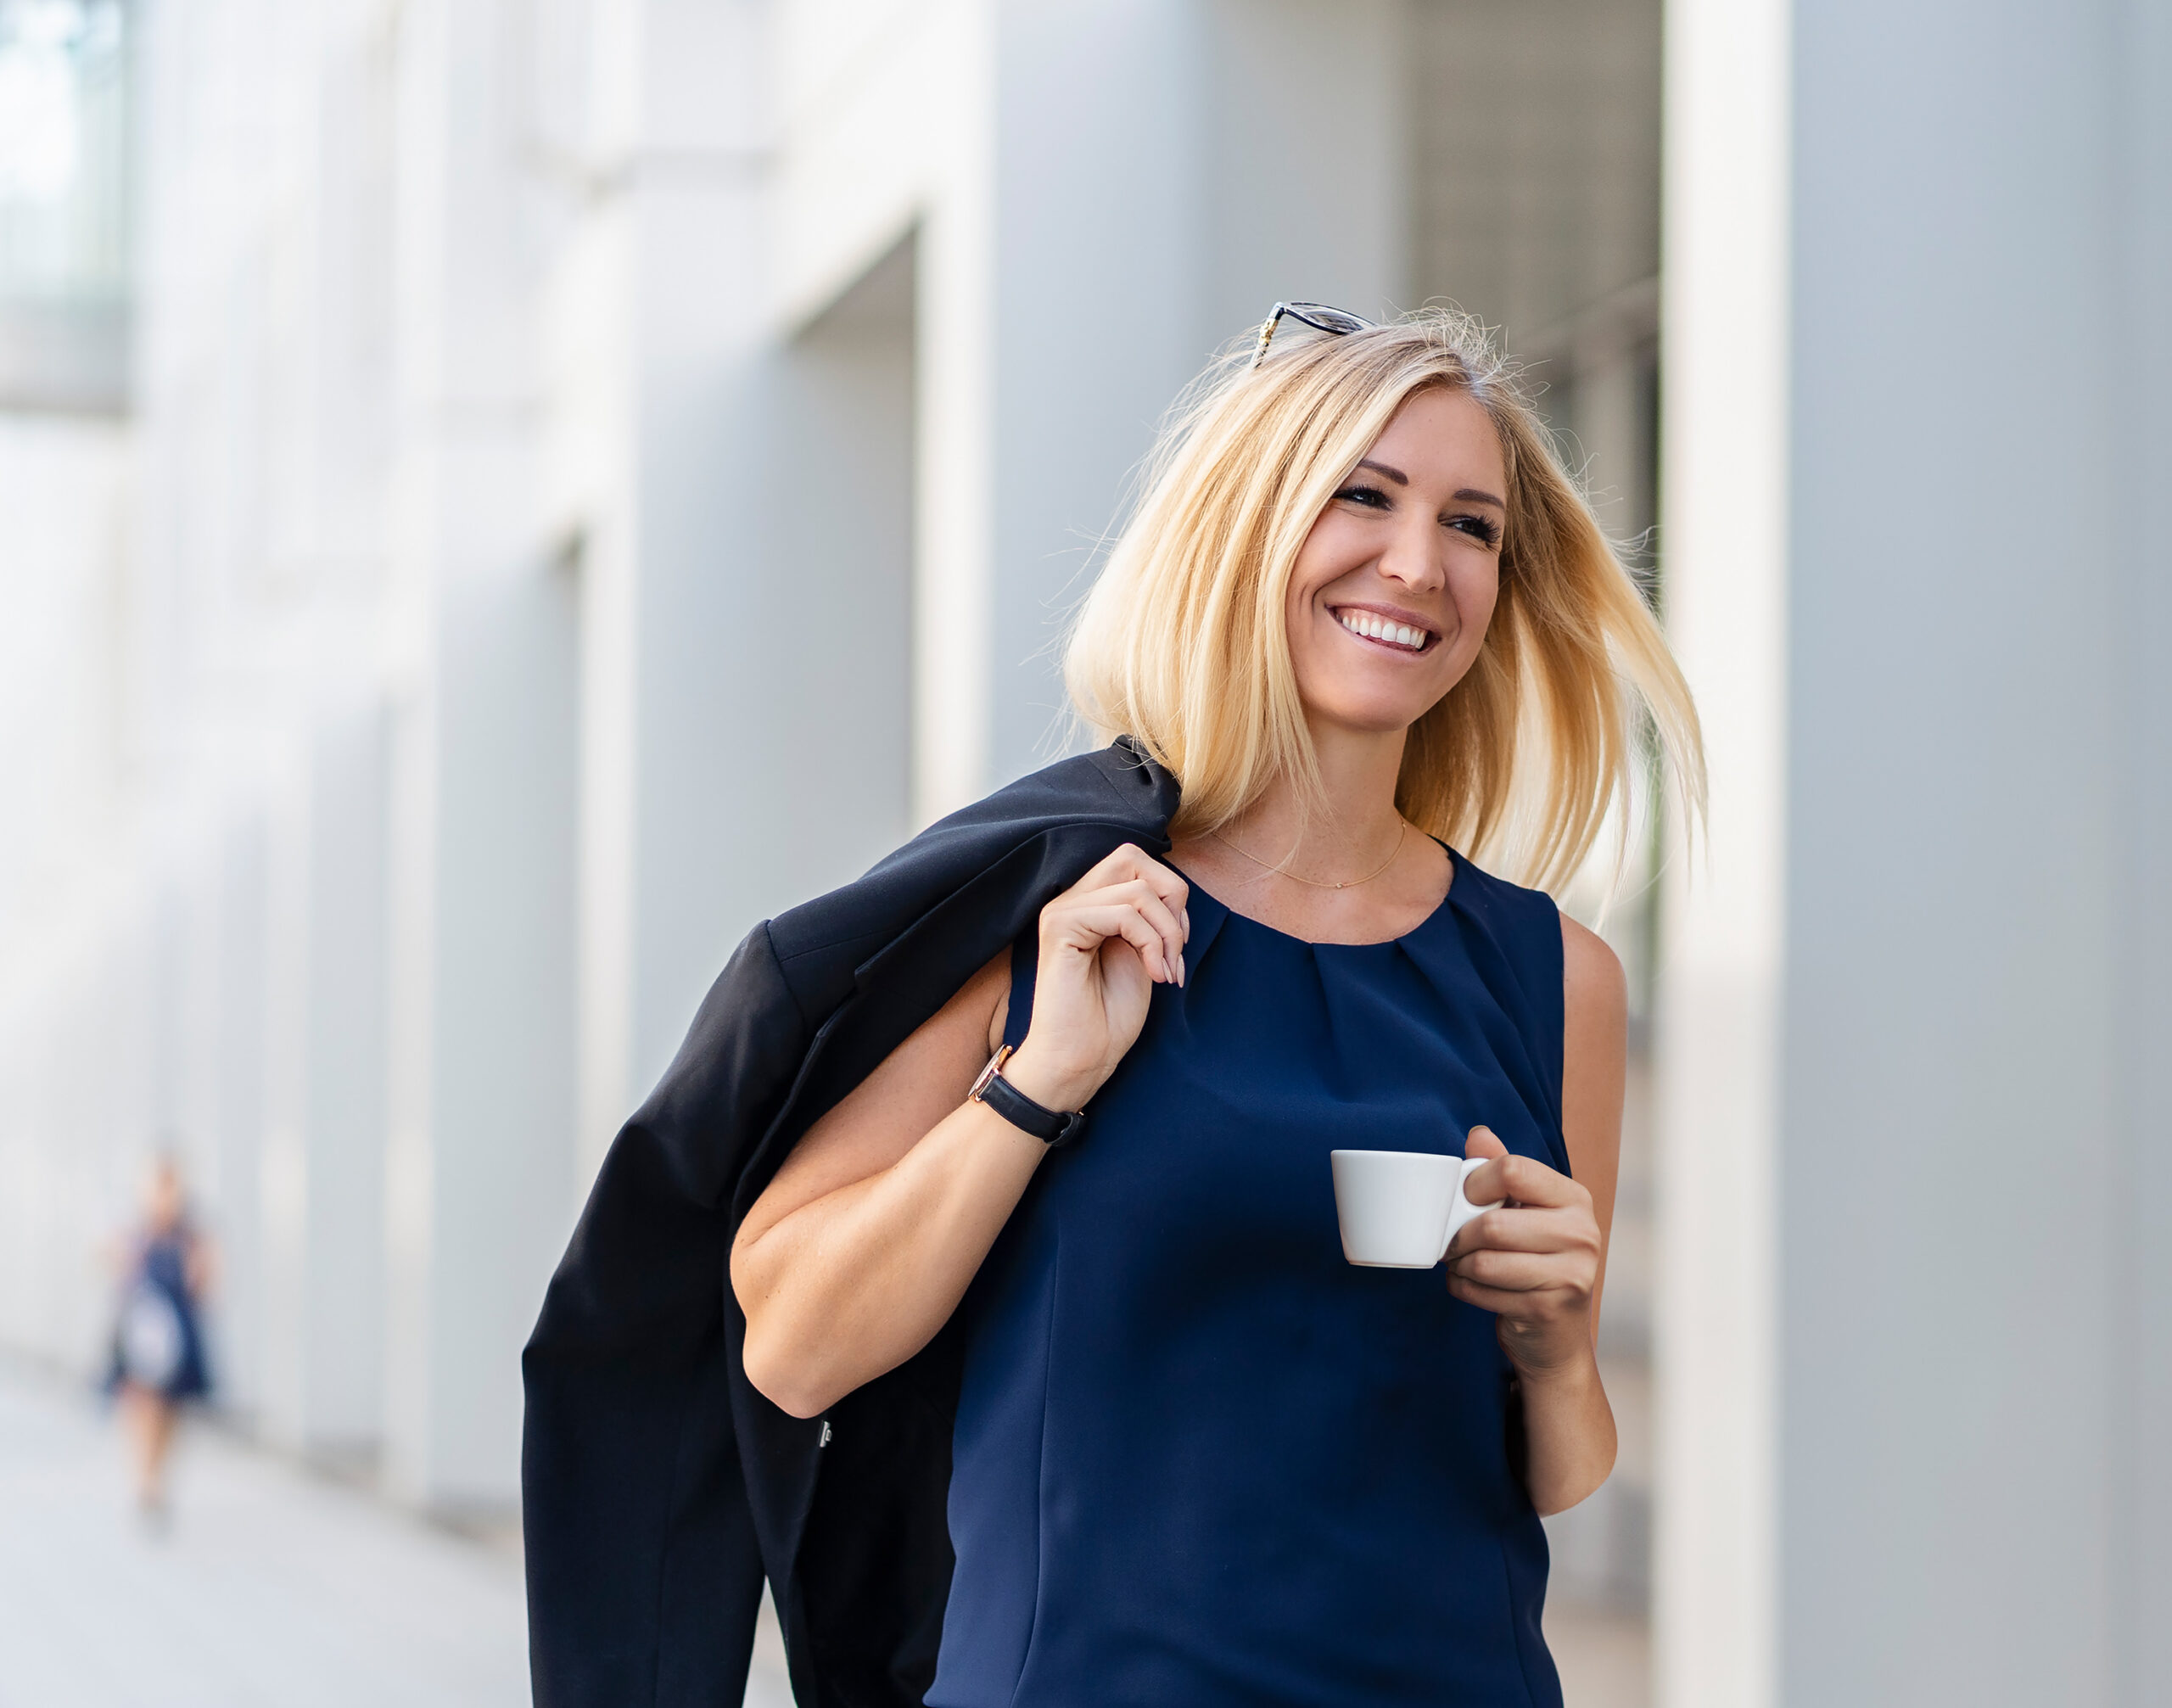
(1051, 1127)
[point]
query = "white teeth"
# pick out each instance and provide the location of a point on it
(1377, 628)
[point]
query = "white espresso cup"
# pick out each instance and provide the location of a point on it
(1400, 1209)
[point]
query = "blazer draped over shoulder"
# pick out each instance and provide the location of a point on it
(657, 1487)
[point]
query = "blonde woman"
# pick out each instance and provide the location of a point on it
(1361, 616)
(1042, 1379)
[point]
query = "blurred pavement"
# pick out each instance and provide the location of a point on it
(274, 1587)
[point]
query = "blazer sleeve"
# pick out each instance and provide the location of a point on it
(643, 1571)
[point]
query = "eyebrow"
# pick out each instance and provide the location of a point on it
(1469, 495)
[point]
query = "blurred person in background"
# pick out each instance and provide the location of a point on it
(167, 1267)
(1047, 1383)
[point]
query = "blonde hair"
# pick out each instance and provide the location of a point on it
(1183, 642)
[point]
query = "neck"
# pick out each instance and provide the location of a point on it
(1358, 774)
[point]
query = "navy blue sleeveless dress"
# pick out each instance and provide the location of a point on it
(1199, 1458)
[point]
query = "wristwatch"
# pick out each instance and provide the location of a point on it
(1051, 1127)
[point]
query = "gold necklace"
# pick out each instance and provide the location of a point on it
(1403, 829)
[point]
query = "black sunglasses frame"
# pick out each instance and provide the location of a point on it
(1336, 322)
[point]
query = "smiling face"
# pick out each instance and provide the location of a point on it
(1392, 590)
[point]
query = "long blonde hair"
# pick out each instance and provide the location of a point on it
(1183, 642)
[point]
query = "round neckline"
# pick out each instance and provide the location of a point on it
(1455, 871)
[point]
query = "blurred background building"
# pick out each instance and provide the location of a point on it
(495, 498)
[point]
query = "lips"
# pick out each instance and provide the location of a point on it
(1395, 631)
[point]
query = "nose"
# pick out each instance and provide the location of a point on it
(1413, 556)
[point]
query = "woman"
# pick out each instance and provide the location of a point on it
(1362, 617)
(157, 1362)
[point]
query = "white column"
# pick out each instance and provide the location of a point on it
(669, 451)
(233, 1188)
(1724, 520)
(2138, 1492)
(1092, 318)
(322, 1179)
(478, 1183)
(283, 1183)
(1973, 1295)
(955, 439)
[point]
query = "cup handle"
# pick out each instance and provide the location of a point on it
(1460, 1208)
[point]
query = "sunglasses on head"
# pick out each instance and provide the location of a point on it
(1334, 321)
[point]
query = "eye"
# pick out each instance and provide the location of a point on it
(1483, 528)
(1369, 497)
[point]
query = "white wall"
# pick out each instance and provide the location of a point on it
(72, 1093)
(1925, 983)
(1976, 997)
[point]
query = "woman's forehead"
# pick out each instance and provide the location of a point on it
(1441, 433)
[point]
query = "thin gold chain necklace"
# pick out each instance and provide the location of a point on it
(1403, 829)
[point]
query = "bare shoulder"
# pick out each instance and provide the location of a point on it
(1594, 1061)
(1594, 990)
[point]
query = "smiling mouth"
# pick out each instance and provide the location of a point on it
(1384, 631)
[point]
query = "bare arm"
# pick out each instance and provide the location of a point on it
(860, 1249)
(1540, 1262)
(202, 1266)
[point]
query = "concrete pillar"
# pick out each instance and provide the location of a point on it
(322, 1176)
(954, 439)
(233, 1183)
(1724, 512)
(1917, 1311)
(702, 667)
(480, 1128)
(1095, 314)
(1972, 1411)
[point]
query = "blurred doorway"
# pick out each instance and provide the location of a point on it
(842, 506)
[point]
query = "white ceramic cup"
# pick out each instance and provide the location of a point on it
(1400, 1209)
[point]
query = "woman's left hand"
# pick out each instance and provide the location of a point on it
(1535, 1263)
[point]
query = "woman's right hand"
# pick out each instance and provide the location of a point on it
(859, 1250)
(1105, 942)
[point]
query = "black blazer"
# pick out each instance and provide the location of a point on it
(657, 1487)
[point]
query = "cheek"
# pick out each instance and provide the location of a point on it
(1476, 590)
(1323, 560)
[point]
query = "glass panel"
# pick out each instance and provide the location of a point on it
(64, 202)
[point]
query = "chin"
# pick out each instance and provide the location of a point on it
(1372, 714)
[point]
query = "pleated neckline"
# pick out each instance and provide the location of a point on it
(1456, 866)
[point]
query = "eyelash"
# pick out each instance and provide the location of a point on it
(1482, 529)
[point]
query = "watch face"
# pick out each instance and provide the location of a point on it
(988, 1074)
